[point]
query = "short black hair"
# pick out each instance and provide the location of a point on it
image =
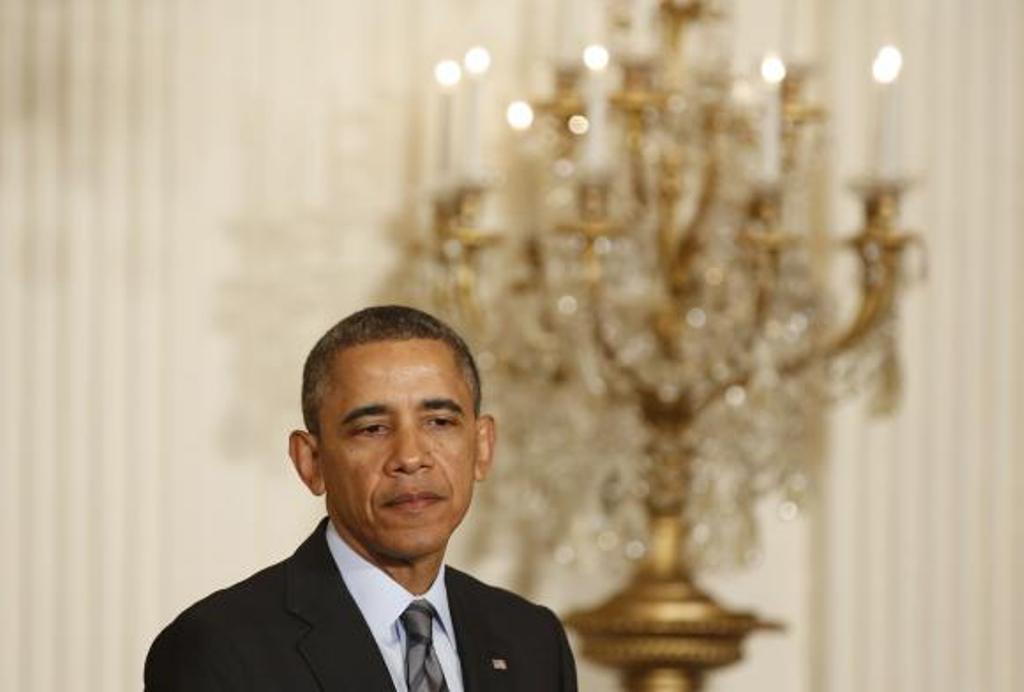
(370, 325)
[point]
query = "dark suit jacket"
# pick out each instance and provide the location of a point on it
(294, 627)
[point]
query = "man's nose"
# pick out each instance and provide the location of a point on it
(410, 453)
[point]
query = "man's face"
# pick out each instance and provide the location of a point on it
(399, 448)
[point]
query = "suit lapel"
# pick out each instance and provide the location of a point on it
(482, 653)
(338, 646)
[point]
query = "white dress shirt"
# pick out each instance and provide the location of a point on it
(382, 601)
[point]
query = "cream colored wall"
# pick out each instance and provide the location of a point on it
(190, 192)
(920, 547)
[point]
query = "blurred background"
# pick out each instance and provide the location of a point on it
(192, 192)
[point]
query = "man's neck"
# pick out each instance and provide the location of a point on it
(415, 578)
(415, 575)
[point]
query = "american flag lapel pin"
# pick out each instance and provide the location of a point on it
(499, 664)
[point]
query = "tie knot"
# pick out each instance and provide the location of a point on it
(418, 620)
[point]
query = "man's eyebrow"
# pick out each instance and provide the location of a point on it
(442, 404)
(362, 411)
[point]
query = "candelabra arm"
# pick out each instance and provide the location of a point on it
(562, 105)
(692, 239)
(459, 241)
(765, 241)
(670, 189)
(637, 96)
(611, 356)
(875, 303)
(467, 304)
(545, 338)
(880, 248)
(676, 18)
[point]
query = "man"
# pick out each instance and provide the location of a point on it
(395, 441)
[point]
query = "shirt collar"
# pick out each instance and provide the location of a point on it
(380, 598)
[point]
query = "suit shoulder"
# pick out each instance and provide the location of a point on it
(248, 603)
(203, 646)
(500, 602)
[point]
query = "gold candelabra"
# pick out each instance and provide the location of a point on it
(678, 282)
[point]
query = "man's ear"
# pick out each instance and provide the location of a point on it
(486, 431)
(306, 458)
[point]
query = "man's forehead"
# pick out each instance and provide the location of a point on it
(400, 352)
(380, 361)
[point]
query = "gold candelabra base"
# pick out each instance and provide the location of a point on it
(661, 631)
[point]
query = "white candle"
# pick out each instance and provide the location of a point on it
(788, 30)
(595, 154)
(447, 73)
(773, 71)
(800, 30)
(567, 25)
(641, 34)
(476, 62)
(885, 151)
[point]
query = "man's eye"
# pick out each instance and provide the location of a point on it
(375, 429)
(441, 422)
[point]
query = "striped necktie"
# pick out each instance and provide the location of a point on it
(422, 669)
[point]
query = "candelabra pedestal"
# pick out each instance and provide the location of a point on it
(661, 631)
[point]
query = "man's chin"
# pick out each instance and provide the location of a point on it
(415, 545)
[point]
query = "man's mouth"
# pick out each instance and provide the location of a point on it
(413, 502)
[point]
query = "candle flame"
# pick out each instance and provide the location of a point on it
(477, 60)
(447, 73)
(519, 115)
(773, 70)
(595, 57)
(887, 65)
